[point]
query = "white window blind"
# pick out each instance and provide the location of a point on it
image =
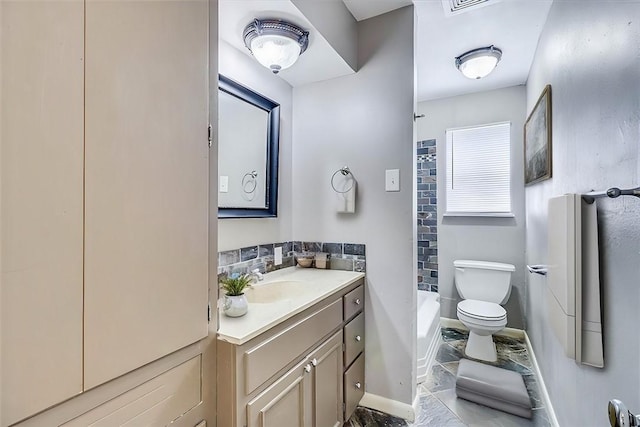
(479, 170)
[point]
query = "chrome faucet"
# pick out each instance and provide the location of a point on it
(256, 276)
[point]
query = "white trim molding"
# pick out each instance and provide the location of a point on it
(391, 407)
(543, 388)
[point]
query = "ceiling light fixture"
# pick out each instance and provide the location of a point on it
(276, 44)
(478, 63)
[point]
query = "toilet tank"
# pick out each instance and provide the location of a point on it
(483, 280)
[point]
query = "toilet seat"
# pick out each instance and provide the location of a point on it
(482, 311)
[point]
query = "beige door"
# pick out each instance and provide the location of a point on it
(146, 182)
(286, 403)
(41, 167)
(327, 383)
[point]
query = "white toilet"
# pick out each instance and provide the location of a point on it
(484, 286)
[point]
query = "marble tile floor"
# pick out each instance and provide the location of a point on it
(439, 406)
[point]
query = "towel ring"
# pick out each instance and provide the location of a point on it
(344, 171)
(251, 180)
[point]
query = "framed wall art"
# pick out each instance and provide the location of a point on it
(537, 140)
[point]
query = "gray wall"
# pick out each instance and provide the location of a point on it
(237, 233)
(487, 239)
(590, 54)
(336, 24)
(365, 121)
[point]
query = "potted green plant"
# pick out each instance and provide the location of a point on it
(235, 302)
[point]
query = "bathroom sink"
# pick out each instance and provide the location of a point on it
(264, 293)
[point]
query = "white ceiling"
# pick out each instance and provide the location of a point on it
(365, 9)
(512, 25)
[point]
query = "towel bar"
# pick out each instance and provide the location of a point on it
(537, 269)
(612, 193)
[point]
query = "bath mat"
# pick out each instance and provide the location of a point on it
(494, 387)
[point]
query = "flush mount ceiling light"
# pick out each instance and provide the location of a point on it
(276, 44)
(478, 63)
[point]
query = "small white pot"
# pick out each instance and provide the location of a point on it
(235, 306)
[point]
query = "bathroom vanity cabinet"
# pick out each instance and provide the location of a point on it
(104, 204)
(305, 371)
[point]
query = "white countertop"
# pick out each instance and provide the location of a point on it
(305, 287)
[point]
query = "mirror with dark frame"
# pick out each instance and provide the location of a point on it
(248, 136)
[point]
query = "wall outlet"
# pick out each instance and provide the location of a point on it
(224, 184)
(392, 180)
(277, 255)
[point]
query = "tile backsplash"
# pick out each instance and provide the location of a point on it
(342, 256)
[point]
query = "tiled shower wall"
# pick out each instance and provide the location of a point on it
(427, 216)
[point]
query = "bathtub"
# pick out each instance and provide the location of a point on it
(428, 327)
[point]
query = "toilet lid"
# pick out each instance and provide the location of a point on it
(482, 309)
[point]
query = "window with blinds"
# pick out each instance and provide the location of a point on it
(479, 170)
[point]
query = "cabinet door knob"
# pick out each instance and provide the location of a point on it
(357, 301)
(358, 338)
(314, 362)
(307, 368)
(358, 385)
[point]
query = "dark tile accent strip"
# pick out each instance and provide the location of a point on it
(332, 248)
(427, 238)
(354, 249)
(248, 253)
(262, 256)
(311, 247)
(228, 257)
(265, 250)
(286, 247)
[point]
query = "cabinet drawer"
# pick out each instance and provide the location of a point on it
(353, 302)
(353, 386)
(156, 402)
(264, 360)
(353, 339)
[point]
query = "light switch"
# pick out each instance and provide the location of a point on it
(224, 184)
(392, 180)
(277, 255)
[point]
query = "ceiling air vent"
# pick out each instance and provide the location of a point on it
(454, 7)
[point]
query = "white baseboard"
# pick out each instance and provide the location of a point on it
(391, 407)
(415, 407)
(543, 388)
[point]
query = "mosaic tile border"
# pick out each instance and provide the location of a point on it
(342, 256)
(427, 238)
